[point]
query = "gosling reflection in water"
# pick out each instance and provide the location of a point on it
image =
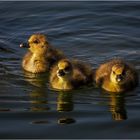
(38, 96)
(37, 80)
(65, 104)
(117, 107)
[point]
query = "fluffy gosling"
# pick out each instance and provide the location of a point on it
(41, 55)
(116, 76)
(70, 74)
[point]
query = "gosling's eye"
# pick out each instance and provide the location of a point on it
(67, 69)
(36, 41)
(113, 72)
(123, 73)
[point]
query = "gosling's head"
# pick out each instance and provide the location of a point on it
(118, 74)
(64, 69)
(37, 43)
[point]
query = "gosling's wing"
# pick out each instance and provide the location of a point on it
(59, 54)
(53, 56)
(132, 76)
(84, 67)
(78, 78)
(53, 72)
(102, 73)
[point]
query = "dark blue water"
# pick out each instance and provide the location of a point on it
(91, 31)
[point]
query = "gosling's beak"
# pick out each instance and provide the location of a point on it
(61, 73)
(24, 45)
(119, 78)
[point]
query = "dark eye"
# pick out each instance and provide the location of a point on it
(67, 69)
(36, 41)
(123, 73)
(113, 72)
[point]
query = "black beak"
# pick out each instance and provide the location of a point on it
(61, 73)
(24, 45)
(119, 78)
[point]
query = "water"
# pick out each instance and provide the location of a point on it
(91, 31)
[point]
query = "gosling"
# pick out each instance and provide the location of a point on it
(116, 76)
(41, 55)
(70, 74)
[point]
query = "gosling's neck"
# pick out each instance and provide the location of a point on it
(115, 86)
(38, 56)
(65, 83)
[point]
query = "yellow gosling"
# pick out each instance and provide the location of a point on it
(70, 74)
(41, 55)
(116, 76)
